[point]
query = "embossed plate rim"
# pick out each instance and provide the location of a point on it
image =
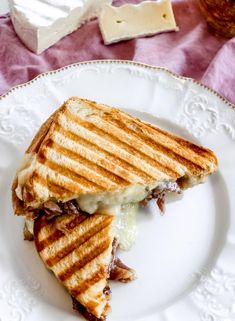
(124, 62)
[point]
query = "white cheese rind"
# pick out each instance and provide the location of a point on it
(40, 24)
(131, 21)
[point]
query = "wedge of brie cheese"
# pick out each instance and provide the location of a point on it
(41, 23)
(131, 21)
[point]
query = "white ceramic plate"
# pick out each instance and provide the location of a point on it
(186, 259)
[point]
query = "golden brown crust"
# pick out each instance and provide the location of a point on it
(149, 129)
(106, 158)
(78, 249)
(18, 205)
(41, 134)
(200, 150)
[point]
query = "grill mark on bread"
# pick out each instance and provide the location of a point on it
(71, 174)
(55, 179)
(96, 228)
(52, 238)
(42, 133)
(150, 128)
(179, 152)
(131, 149)
(121, 123)
(103, 171)
(93, 279)
(47, 227)
(82, 262)
(57, 190)
(57, 234)
(204, 152)
(92, 305)
(123, 164)
(117, 151)
(192, 166)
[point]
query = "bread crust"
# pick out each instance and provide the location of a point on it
(18, 205)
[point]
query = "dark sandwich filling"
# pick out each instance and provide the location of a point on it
(52, 209)
(159, 194)
(117, 271)
(83, 311)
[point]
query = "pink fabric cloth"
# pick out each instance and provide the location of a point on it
(191, 52)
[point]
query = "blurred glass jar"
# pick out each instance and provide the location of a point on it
(220, 16)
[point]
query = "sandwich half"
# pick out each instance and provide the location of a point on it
(95, 163)
(103, 157)
(80, 249)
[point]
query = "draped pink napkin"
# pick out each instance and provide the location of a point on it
(191, 52)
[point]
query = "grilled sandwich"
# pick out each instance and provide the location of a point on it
(102, 157)
(81, 251)
(97, 164)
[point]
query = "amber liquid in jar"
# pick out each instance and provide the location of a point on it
(220, 16)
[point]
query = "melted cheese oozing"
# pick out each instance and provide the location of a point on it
(124, 226)
(133, 194)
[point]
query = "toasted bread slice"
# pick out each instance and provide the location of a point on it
(100, 155)
(79, 250)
